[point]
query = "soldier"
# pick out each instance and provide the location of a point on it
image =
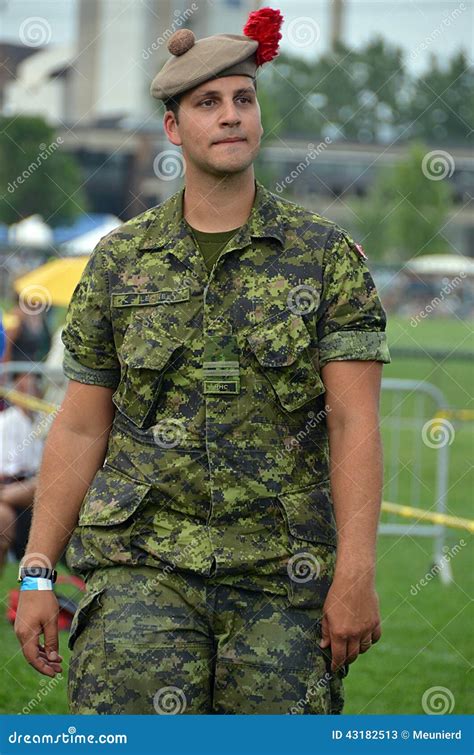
(216, 468)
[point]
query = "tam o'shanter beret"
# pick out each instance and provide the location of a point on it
(195, 61)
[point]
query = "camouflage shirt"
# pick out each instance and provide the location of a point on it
(218, 453)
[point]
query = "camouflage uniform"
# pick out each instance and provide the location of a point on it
(216, 478)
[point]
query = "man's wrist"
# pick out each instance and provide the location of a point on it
(36, 572)
(355, 568)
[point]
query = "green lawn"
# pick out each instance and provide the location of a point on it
(426, 636)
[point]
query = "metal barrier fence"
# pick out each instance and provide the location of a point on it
(416, 442)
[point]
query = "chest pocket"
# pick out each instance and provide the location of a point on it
(281, 347)
(147, 351)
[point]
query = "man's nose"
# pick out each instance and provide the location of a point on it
(230, 114)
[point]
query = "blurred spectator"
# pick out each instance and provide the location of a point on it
(20, 456)
(30, 338)
(2, 336)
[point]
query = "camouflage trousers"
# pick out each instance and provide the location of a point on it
(145, 641)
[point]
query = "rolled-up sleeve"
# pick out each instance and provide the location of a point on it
(351, 320)
(90, 355)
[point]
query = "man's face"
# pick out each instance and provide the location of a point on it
(219, 109)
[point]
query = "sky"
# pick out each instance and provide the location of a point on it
(421, 27)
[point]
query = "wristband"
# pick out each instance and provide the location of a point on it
(36, 583)
(37, 571)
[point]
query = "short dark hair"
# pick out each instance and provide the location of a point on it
(172, 103)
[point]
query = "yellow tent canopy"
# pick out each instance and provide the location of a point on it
(54, 282)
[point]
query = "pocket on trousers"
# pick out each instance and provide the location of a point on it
(88, 603)
(280, 345)
(312, 539)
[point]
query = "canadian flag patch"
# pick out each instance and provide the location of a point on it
(361, 251)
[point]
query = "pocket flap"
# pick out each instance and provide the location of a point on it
(276, 342)
(111, 498)
(146, 344)
(309, 513)
(80, 618)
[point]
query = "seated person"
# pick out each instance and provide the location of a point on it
(21, 449)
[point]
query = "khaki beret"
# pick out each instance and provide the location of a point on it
(202, 60)
(194, 61)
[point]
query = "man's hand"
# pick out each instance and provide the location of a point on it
(37, 614)
(351, 619)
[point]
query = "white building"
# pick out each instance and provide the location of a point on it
(119, 48)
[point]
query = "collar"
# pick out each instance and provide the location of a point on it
(169, 230)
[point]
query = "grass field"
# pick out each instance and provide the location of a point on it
(426, 640)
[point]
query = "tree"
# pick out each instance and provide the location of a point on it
(405, 211)
(441, 109)
(35, 175)
(367, 95)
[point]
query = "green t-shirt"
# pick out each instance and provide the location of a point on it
(211, 244)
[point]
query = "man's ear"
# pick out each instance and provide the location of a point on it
(171, 128)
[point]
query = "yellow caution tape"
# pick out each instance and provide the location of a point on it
(27, 401)
(465, 415)
(430, 516)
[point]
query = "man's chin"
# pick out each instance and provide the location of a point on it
(229, 167)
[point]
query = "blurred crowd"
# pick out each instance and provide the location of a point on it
(31, 387)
